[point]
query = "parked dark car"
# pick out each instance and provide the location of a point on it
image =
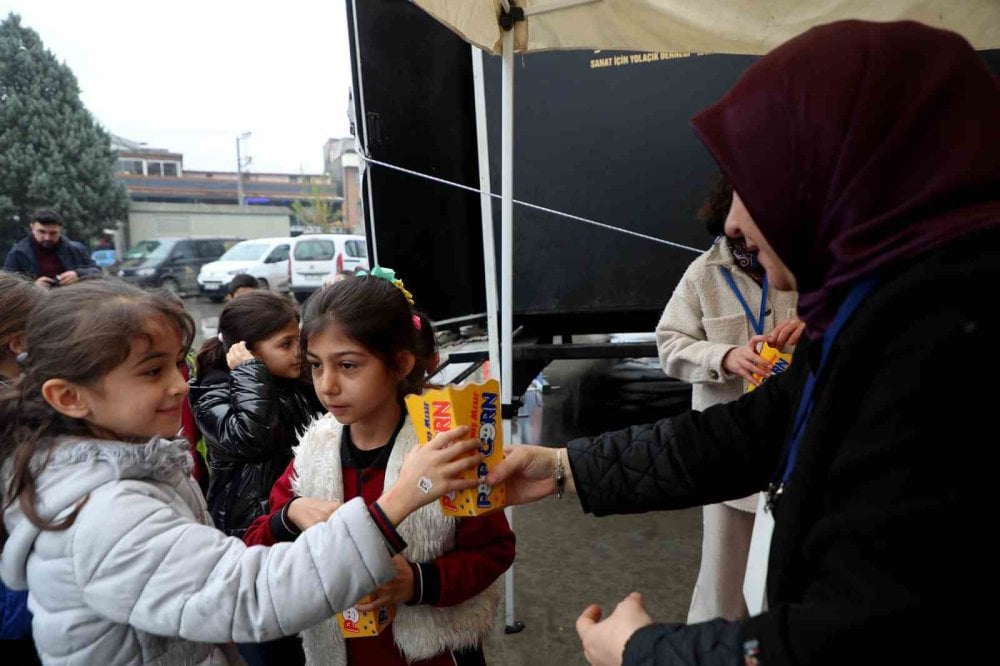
(172, 263)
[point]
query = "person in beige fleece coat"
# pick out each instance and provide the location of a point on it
(709, 338)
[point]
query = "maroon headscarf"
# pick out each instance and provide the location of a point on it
(858, 146)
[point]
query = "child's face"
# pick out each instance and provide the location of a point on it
(280, 352)
(350, 381)
(143, 396)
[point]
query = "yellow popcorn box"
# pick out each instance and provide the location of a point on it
(478, 407)
(776, 358)
(355, 624)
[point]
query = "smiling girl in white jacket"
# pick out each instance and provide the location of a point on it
(109, 533)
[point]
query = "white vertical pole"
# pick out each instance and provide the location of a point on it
(507, 267)
(361, 129)
(507, 214)
(486, 207)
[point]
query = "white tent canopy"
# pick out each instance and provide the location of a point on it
(696, 26)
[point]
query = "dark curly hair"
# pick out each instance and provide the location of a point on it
(716, 207)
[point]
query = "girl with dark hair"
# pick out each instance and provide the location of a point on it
(17, 296)
(108, 532)
(250, 403)
(367, 348)
(708, 336)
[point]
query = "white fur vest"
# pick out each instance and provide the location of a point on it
(420, 632)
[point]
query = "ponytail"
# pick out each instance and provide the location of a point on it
(212, 355)
(425, 352)
(250, 318)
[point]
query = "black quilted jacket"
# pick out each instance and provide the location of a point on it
(250, 421)
(878, 543)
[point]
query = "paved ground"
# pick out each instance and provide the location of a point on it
(206, 317)
(566, 559)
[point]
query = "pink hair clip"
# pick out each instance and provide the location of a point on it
(416, 322)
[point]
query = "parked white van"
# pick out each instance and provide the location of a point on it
(264, 258)
(316, 257)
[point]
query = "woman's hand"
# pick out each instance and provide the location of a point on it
(787, 333)
(745, 361)
(237, 354)
(307, 511)
(397, 591)
(430, 471)
(604, 640)
(529, 473)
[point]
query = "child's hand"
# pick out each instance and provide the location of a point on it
(237, 354)
(307, 511)
(397, 591)
(786, 334)
(745, 361)
(430, 471)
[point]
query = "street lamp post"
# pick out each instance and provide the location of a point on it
(239, 169)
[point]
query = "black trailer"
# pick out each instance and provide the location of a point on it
(599, 135)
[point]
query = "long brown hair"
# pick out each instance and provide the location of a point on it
(251, 318)
(375, 314)
(17, 296)
(78, 333)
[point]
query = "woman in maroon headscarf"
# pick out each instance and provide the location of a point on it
(865, 159)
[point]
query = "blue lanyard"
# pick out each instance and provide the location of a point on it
(758, 323)
(847, 308)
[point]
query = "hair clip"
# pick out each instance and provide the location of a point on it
(416, 322)
(219, 336)
(389, 276)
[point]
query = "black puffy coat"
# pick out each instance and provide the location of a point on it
(250, 420)
(877, 549)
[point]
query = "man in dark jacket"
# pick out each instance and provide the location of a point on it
(47, 255)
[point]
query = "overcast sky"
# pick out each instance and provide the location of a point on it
(190, 75)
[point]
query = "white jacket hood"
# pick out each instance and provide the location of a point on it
(76, 467)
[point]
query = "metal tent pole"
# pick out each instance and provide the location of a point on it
(486, 207)
(507, 280)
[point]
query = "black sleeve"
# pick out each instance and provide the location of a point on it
(236, 417)
(714, 643)
(13, 263)
(282, 528)
(726, 452)
(83, 263)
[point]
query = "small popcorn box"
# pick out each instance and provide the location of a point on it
(355, 624)
(777, 359)
(476, 406)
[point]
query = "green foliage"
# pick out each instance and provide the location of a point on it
(316, 209)
(53, 154)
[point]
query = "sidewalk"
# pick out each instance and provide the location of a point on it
(566, 559)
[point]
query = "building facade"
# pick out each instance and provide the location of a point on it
(343, 164)
(164, 195)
